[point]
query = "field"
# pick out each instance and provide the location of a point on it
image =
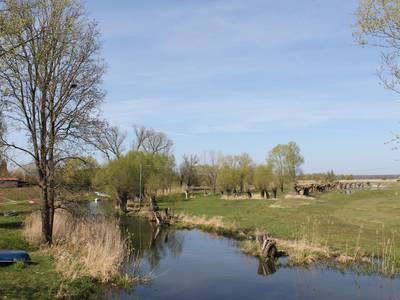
(364, 223)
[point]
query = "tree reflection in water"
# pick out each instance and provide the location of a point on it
(266, 267)
(152, 243)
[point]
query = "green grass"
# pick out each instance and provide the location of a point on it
(344, 223)
(40, 279)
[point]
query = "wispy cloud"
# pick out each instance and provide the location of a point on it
(230, 116)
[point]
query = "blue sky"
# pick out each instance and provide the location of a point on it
(244, 75)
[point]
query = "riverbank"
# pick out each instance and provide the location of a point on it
(360, 227)
(39, 280)
(193, 264)
(85, 257)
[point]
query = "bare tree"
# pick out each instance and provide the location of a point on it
(3, 168)
(210, 168)
(113, 141)
(141, 135)
(50, 86)
(150, 141)
(109, 140)
(2, 130)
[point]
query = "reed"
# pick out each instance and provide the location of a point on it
(82, 246)
(386, 260)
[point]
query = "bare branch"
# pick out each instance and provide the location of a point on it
(150, 141)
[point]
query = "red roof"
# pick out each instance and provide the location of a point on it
(8, 179)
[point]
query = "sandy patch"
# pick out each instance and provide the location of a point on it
(302, 197)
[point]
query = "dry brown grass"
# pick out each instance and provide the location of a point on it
(251, 247)
(302, 252)
(82, 246)
(203, 222)
(194, 220)
(308, 246)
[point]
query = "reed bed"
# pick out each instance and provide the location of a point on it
(82, 245)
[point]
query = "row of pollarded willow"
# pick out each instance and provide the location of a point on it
(239, 173)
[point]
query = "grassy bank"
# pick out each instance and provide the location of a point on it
(39, 280)
(42, 279)
(365, 223)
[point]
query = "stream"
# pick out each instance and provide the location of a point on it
(191, 264)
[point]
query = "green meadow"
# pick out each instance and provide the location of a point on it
(363, 221)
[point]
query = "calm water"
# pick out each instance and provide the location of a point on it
(196, 265)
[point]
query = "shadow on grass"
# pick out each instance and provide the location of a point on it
(11, 225)
(17, 292)
(4, 265)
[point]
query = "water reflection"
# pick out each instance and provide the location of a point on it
(152, 243)
(266, 267)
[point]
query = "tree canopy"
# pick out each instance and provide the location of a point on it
(188, 170)
(78, 173)
(286, 161)
(264, 179)
(378, 24)
(135, 174)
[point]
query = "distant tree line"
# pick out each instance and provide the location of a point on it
(236, 174)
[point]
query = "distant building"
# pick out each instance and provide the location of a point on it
(6, 182)
(26, 173)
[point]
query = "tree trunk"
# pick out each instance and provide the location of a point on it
(249, 194)
(153, 203)
(52, 211)
(122, 202)
(46, 216)
(274, 192)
